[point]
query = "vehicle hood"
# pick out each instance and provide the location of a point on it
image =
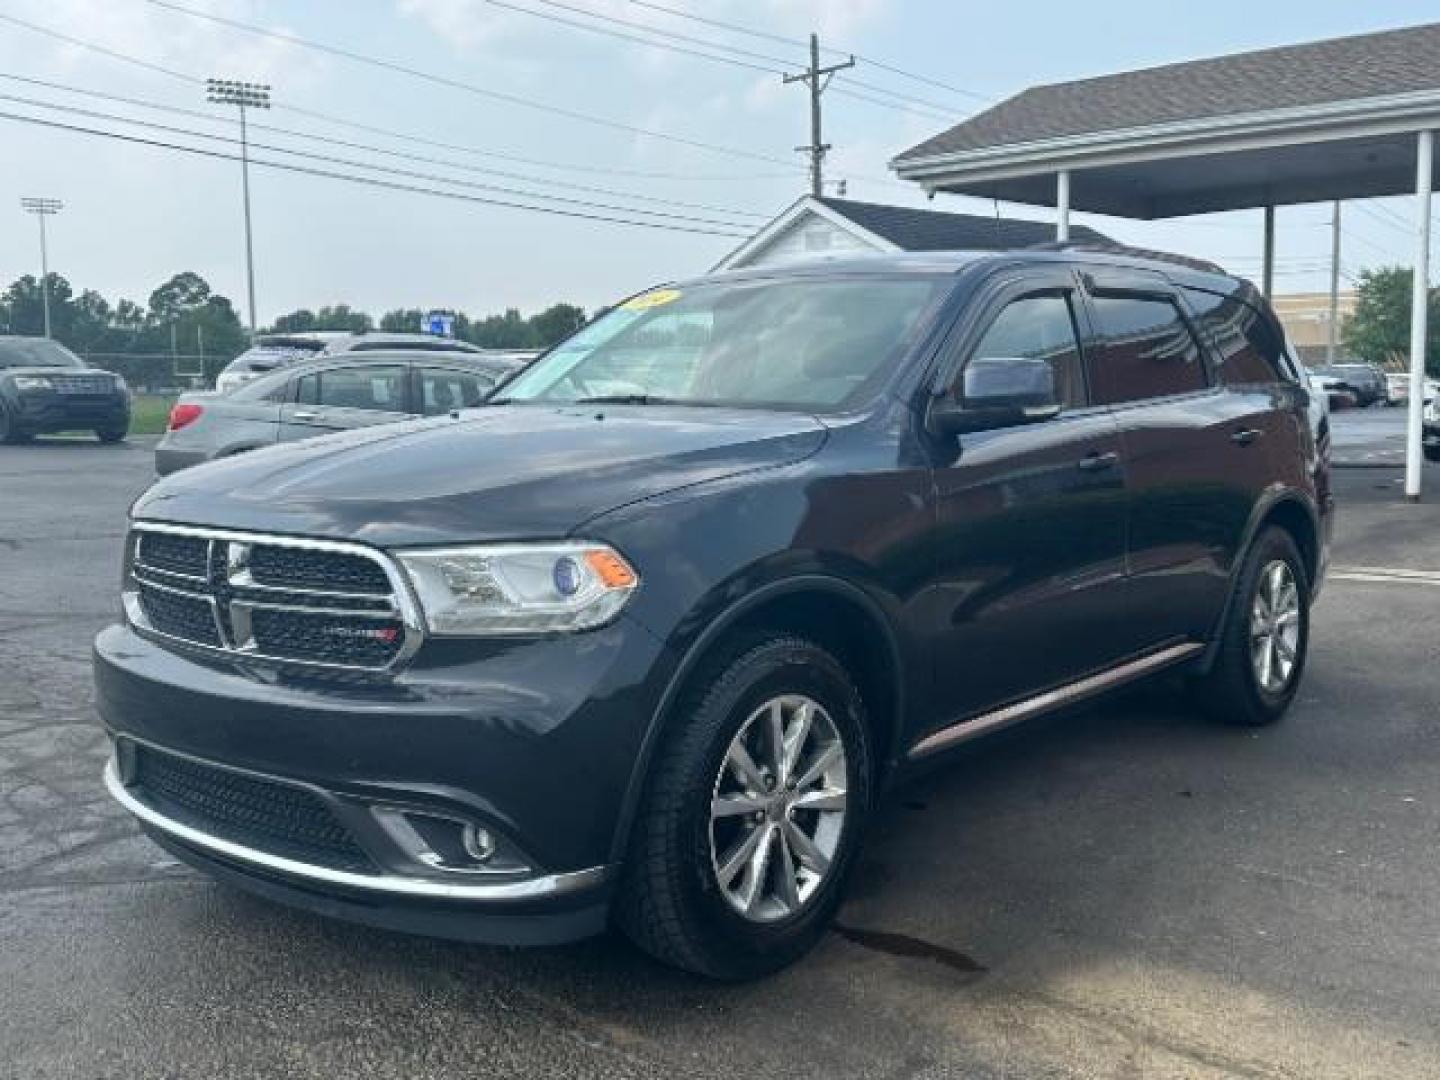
(504, 472)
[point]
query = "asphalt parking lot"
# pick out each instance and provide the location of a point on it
(1123, 891)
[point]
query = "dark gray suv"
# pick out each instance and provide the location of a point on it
(44, 387)
(642, 641)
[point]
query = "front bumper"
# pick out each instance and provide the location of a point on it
(535, 741)
(44, 411)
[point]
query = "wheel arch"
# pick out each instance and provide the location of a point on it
(1289, 510)
(837, 615)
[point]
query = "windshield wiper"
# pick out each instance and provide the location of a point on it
(629, 399)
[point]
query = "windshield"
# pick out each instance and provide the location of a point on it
(807, 344)
(36, 352)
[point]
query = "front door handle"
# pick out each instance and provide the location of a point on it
(304, 416)
(1095, 461)
(1246, 436)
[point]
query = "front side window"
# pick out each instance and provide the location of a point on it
(377, 388)
(1038, 328)
(1147, 351)
(443, 389)
(800, 343)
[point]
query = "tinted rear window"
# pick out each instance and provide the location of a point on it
(1147, 350)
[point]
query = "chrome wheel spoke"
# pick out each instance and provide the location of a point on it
(810, 856)
(757, 870)
(829, 799)
(744, 767)
(795, 739)
(822, 763)
(739, 857)
(775, 741)
(735, 805)
(785, 871)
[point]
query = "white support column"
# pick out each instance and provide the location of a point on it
(1267, 268)
(1419, 305)
(1062, 205)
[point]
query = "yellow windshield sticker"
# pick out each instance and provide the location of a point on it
(648, 300)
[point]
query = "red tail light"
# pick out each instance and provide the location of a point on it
(184, 413)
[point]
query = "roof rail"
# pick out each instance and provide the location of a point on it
(1187, 261)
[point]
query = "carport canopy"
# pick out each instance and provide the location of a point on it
(1329, 120)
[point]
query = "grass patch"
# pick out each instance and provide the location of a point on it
(149, 413)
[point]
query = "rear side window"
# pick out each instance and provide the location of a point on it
(1039, 328)
(1147, 350)
(379, 388)
(1250, 349)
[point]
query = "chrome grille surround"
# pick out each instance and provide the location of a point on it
(233, 596)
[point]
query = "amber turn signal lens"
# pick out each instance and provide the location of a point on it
(614, 571)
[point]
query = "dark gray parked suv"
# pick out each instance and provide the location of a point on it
(642, 641)
(45, 387)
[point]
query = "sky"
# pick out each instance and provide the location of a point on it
(499, 98)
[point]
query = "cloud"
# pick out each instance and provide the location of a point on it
(157, 36)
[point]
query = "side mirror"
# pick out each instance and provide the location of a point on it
(999, 392)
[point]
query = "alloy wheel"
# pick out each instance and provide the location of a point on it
(1275, 627)
(777, 808)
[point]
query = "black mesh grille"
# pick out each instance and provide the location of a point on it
(332, 571)
(83, 384)
(335, 639)
(176, 554)
(184, 617)
(271, 817)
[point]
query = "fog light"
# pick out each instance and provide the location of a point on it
(478, 843)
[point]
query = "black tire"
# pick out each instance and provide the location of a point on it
(1231, 691)
(10, 435)
(112, 435)
(669, 902)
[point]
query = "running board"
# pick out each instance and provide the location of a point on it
(1052, 699)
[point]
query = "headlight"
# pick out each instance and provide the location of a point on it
(519, 588)
(33, 382)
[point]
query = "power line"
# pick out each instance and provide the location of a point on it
(882, 65)
(776, 65)
(352, 163)
(349, 144)
(364, 180)
(457, 84)
(621, 35)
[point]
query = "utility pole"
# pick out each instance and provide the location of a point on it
(1330, 341)
(43, 208)
(817, 79)
(255, 96)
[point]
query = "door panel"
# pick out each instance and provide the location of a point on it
(1031, 549)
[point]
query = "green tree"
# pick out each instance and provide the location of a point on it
(183, 292)
(555, 323)
(330, 317)
(401, 321)
(1379, 330)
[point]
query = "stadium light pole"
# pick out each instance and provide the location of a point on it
(244, 95)
(43, 208)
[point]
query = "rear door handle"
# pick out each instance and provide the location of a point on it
(1095, 461)
(304, 416)
(1246, 436)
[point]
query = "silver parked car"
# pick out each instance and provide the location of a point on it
(327, 394)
